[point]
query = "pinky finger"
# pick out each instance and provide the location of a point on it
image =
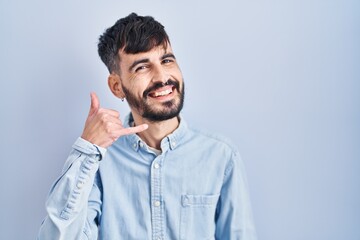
(132, 130)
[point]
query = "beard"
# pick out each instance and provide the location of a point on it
(168, 109)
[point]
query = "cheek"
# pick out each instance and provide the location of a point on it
(177, 73)
(138, 85)
(179, 77)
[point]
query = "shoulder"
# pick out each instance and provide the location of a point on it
(213, 138)
(218, 147)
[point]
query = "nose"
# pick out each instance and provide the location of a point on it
(160, 74)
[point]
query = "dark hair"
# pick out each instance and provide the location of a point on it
(133, 34)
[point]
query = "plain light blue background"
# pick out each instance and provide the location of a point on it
(280, 78)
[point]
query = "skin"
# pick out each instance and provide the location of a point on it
(138, 72)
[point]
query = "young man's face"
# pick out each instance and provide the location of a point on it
(152, 83)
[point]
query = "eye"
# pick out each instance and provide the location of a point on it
(140, 68)
(167, 60)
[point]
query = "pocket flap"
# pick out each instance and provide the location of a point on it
(199, 200)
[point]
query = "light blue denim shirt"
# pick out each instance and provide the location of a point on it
(195, 189)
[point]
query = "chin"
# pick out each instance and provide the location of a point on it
(169, 111)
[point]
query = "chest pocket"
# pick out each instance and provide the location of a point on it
(197, 220)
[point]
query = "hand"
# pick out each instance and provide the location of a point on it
(103, 126)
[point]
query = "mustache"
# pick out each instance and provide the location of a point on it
(158, 85)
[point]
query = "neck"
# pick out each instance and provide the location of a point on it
(156, 131)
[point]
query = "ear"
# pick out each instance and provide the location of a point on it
(115, 86)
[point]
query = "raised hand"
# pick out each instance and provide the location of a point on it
(103, 126)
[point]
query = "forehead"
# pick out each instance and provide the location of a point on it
(152, 55)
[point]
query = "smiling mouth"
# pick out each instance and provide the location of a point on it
(161, 93)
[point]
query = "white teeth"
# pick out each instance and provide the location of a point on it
(163, 93)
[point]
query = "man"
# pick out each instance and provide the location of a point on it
(151, 176)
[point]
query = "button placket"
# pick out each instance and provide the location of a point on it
(156, 197)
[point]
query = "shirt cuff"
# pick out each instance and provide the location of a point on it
(87, 147)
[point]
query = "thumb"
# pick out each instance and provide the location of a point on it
(95, 103)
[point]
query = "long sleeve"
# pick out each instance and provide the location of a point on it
(234, 214)
(74, 201)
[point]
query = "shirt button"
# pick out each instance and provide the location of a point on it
(156, 165)
(141, 144)
(157, 203)
(79, 184)
(173, 144)
(158, 238)
(134, 145)
(186, 201)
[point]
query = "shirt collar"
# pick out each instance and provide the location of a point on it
(171, 141)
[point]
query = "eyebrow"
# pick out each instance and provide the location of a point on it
(168, 55)
(145, 60)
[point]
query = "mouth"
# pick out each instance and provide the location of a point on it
(162, 92)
